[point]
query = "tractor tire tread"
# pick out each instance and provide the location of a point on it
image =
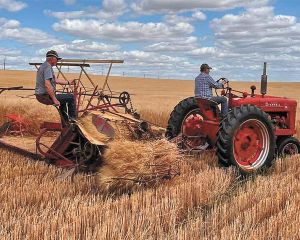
(177, 116)
(231, 123)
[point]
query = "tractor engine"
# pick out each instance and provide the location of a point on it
(279, 120)
(281, 111)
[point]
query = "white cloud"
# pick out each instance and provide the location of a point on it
(177, 45)
(125, 31)
(171, 6)
(69, 2)
(111, 9)
(81, 48)
(257, 30)
(137, 63)
(240, 44)
(205, 51)
(9, 52)
(71, 14)
(198, 15)
(146, 58)
(11, 29)
(174, 19)
(114, 5)
(14, 59)
(247, 39)
(12, 5)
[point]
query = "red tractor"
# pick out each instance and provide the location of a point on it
(257, 128)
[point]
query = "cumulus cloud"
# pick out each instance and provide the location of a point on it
(14, 58)
(125, 31)
(137, 62)
(69, 2)
(175, 18)
(12, 5)
(177, 45)
(8, 52)
(113, 5)
(111, 9)
(170, 48)
(247, 39)
(198, 15)
(11, 29)
(167, 6)
(257, 30)
(205, 51)
(145, 58)
(81, 48)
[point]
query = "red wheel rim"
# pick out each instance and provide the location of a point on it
(191, 130)
(251, 144)
(290, 149)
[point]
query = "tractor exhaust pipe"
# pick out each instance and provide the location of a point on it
(264, 80)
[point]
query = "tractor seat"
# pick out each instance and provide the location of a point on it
(206, 102)
(209, 108)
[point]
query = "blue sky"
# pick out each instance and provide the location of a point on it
(166, 39)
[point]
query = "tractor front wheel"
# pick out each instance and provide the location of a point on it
(288, 146)
(246, 139)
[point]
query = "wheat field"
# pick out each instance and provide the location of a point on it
(202, 202)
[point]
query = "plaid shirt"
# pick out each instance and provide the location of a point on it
(204, 84)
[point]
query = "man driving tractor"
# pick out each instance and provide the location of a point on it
(203, 88)
(46, 86)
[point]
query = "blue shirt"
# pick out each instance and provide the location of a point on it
(204, 84)
(45, 72)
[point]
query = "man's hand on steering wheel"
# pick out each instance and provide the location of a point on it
(225, 83)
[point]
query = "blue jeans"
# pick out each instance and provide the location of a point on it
(224, 104)
(67, 105)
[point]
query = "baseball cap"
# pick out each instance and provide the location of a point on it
(53, 53)
(205, 66)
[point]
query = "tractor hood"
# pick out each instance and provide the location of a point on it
(267, 103)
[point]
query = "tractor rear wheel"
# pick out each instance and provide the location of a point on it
(186, 123)
(178, 115)
(246, 139)
(288, 146)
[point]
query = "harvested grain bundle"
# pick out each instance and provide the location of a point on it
(136, 131)
(131, 165)
(105, 126)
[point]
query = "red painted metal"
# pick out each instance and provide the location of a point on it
(103, 126)
(204, 124)
(248, 143)
(65, 163)
(67, 147)
(193, 125)
(51, 126)
(18, 124)
(290, 149)
(205, 107)
(211, 119)
(272, 104)
(15, 117)
(56, 151)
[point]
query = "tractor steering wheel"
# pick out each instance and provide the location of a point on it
(225, 83)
